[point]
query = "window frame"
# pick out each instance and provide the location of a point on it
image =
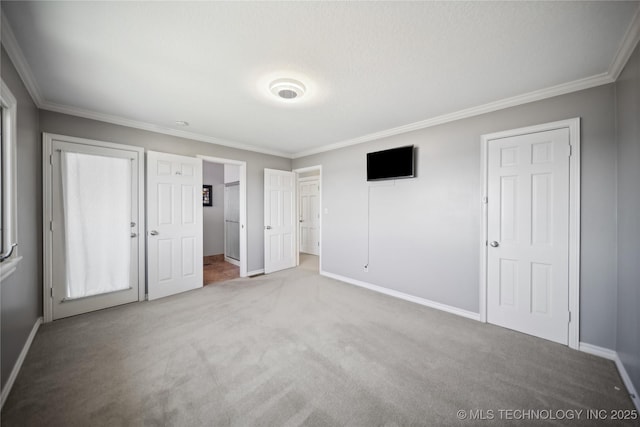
(8, 182)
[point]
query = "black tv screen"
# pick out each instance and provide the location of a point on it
(390, 164)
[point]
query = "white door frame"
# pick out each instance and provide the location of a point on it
(297, 172)
(243, 205)
(47, 238)
(574, 218)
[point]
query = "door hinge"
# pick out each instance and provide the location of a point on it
(570, 150)
(50, 159)
(51, 289)
(485, 200)
(50, 225)
(569, 317)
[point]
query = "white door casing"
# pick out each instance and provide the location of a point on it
(242, 206)
(530, 241)
(56, 304)
(309, 212)
(279, 220)
(174, 224)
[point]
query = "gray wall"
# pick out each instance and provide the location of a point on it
(21, 293)
(231, 173)
(213, 216)
(425, 232)
(628, 114)
(85, 128)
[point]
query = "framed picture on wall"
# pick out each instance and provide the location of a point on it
(207, 194)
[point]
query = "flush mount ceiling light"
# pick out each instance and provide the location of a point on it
(287, 89)
(182, 123)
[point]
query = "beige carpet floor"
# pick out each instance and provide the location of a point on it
(292, 349)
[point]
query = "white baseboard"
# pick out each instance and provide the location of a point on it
(612, 355)
(597, 351)
(406, 297)
(232, 261)
(16, 368)
(627, 382)
(255, 272)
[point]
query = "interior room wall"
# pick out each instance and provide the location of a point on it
(425, 232)
(256, 163)
(21, 293)
(213, 216)
(231, 173)
(309, 174)
(628, 303)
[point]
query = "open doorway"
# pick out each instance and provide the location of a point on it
(224, 235)
(309, 204)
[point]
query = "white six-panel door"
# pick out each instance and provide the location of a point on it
(528, 234)
(174, 224)
(279, 220)
(309, 209)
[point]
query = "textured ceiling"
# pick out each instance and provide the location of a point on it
(368, 66)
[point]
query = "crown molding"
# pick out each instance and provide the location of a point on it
(14, 51)
(116, 120)
(626, 48)
(574, 86)
(12, 47)
(628, 44)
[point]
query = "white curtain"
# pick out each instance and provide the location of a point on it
(96, 193)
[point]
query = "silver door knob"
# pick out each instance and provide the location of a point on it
(267, 227)
(494, 244)
(154, 233)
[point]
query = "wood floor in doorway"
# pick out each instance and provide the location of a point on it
(216, 270)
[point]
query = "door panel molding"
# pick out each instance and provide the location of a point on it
(48, 140)
(174, 238)
(280, 223)
(308, 205)
(573, 126)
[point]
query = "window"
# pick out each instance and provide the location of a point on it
(8, 218)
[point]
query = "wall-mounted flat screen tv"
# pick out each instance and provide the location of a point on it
(395, 163)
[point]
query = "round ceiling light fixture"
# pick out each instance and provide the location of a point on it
(182, 123)
(287, 89)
